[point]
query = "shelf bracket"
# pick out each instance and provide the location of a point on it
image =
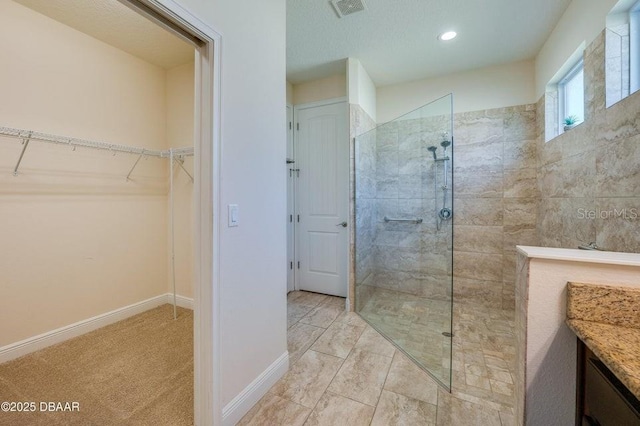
(134, 165)
(180, 163)
(25, 144)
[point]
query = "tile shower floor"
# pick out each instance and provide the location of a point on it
(415, 323)
(343, 372)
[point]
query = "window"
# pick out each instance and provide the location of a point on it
(622, 59)
(634, 47)
(571, 96)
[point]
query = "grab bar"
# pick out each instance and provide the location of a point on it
(416, 221)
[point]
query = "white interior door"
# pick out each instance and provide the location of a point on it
(290, 203)
(322, 157)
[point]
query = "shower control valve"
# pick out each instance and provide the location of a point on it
(445, 213)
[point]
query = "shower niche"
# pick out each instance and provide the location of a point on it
(404, 234)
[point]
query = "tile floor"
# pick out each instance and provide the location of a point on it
(343, 372)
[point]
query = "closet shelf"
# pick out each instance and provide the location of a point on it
(27, 135)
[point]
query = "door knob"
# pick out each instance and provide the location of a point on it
(343, 224)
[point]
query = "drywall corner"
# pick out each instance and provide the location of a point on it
(361, 89)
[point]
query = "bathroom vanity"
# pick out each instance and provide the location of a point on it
(546, 343)
(606, 320)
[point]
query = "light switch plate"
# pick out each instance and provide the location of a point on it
(234, 215)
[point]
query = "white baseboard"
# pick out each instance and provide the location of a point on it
(182, 301)
(241, 404)
(41, 341)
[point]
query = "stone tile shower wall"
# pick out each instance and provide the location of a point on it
(495, 204)
(396, 180)
(362, 212)
(589, 177)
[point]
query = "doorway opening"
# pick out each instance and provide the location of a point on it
(86, 155)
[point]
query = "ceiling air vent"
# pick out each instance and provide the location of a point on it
(347, 7)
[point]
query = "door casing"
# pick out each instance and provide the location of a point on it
(291, 203)
(207, 212)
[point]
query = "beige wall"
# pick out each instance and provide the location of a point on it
(486, 88)
(180, 119)
(38, 94)
(77, 239)
(319, 90)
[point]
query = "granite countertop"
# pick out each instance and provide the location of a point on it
(607, 320)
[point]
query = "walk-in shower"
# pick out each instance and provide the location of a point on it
(404, 234)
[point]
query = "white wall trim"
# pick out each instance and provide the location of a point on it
(245, 400)
(49, 338)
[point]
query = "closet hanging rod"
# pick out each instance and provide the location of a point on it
(75, 142)
(27, 135)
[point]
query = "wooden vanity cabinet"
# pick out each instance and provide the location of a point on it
(602, 400)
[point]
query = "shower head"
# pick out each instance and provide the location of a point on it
(433, 150)
(445, 143)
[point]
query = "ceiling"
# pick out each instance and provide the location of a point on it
(114, 23)
(396, 40)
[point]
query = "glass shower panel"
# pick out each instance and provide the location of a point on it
(404, 234)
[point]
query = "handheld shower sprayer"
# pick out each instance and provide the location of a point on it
(433, 150)
(445, 213)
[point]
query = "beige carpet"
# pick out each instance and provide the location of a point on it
(135, 372)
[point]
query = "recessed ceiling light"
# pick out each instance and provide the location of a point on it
(449, 35)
